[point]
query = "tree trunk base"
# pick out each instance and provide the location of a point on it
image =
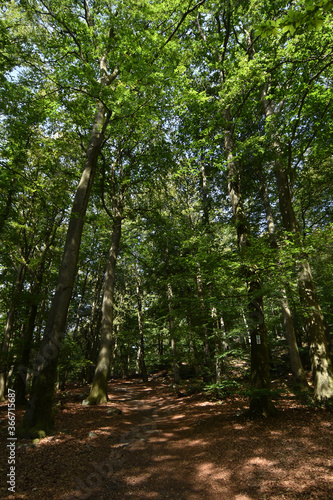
(262, 406)
(95, 400)
(98, 392)
(36, 426)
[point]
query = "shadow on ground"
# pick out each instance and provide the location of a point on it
(161, 447)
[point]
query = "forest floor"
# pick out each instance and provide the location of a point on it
(167, 445)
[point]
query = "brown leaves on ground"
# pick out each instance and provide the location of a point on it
(161, 446)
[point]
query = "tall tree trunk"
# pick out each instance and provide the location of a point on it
(143, 369)
(94, 326)
(4, 351)
(6, 211)
(295, 360)
(38, 416)
(220, 345)
(138, 359)
(160, 345)
(98, 393)
(21, 380)
(192, 346)
(205, 195)
(23, 367)
(85, 286)
(114, 349)
(81, 301)
(172, 336)
(203, 326)
(175, 364)
(9, 330)
(246, 338)
(294, 356)
(260, 400)
(321, 363)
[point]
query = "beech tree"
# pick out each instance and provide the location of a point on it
(92, 45)
(289, 153)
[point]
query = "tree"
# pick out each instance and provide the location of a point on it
(314, 320)
(218, 30)
(90, 48)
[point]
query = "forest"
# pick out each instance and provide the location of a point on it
(166, 200)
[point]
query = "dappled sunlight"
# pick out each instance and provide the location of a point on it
(262, 462)
(209, 470)
(177, 417)
(205, 404)
(185, 449)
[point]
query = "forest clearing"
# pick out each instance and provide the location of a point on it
(184, 447)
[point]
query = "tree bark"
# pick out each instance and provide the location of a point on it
(295, 359)
(143, 369)
(9, 330)
(98, 393)
(175, 365)
(203, 326)
(22, 369)
(321, 364)
(260, 400)
(220, 345)
(38, 418)
(95, 322)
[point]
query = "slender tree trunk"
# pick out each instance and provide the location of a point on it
(98, 393)
(247, 337)
(138, 360)
(192, 347)
(22, 378)
(321, 363)
(143, 369)
(5, 214)
(175, 364)
(82, 294)
(114, 350)
(23, 367)
(203, 326)
(125, 362)
(172, 336)
(205, 195)
(9, 331)
(42, 305)
(94, 326)
(84, 288)
(260, 401)
(38, 418)
(160, 345)
(220, 345)
(218, 361)
(4, 351)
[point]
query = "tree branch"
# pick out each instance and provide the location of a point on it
(184, 16)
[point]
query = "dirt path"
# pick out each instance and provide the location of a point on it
(186, 448)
